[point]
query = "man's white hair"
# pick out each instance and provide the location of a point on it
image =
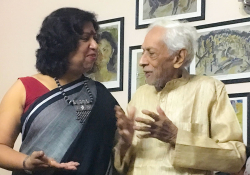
(179, 35)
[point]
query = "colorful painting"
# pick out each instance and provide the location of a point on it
(241, 103)
(147, 11)
(136, 74)
(110, 54)
(238, 108)
(140, 76)
(224, 51)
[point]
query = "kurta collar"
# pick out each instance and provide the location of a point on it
(175, 83)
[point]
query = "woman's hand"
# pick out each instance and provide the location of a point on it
(38, 160)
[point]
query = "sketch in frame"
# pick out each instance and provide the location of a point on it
(136, 74)
(240, 103)
(110, 54)
(224, 51)
(147, 11)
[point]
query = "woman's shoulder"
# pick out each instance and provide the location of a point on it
(104, 93)
(45, 80)
(100, 86)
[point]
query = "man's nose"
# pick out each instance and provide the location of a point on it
(143, 60)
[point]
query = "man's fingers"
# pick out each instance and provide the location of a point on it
(147, 135)
(151, 114)
(161, 112)
(143, 136)
(131, 112)
(125, 135)
(119, 109)
(143, 128)
(145, 121)
(121, 116)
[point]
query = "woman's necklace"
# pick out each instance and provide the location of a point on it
(82, 107)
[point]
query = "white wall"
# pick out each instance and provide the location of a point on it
(20, 21)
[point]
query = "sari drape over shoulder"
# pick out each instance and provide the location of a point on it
(50, 124)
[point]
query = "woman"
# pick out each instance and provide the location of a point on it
(107, 58)
(67, 120)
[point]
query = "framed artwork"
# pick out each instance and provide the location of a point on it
(147, 11)
(136, 74)
(224, 51)
(110, 54)
(241, 103)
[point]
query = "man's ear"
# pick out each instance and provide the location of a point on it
(180, 58)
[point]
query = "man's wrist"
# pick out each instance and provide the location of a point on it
(173, 139)
(123, 145)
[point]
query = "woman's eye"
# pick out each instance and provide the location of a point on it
(85, 38)
(96, 38)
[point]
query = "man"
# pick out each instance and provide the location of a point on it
(177, 123)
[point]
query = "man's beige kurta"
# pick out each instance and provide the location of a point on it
(209, 135)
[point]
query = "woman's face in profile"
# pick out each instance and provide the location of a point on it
(106, 50)
(83, 59)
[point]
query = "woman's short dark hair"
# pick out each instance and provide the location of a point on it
(58, 37)
(112, 62)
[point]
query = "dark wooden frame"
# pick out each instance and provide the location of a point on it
(131, 49)
(119, 86)
(247, 96)
(190, 19)
(211, 26)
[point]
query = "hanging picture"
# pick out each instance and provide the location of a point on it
(147, 11)
(136, 74)
(110, 54)
(224, 51)
(241, 103)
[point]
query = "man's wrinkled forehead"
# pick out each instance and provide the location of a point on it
(154, 38)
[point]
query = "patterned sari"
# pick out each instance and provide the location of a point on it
(50, 124)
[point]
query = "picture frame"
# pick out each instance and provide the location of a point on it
(224, 51)
(148, 11)
(241, 103)
(110, 54)
(136, 74)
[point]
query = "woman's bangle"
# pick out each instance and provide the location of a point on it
(24, 166)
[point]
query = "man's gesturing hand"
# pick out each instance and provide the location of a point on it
(160, 127)
(125, 125)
